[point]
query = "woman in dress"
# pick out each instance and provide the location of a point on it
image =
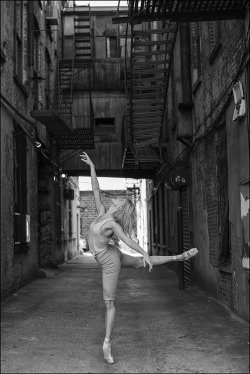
(117, 223)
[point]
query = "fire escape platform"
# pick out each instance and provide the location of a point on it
(180, 10)
(77, 139)
(54, 121)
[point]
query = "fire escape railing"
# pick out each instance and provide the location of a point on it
(149, 62)
(148, 70)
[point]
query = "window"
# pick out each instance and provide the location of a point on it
(70, 218)
(57, 209)
(18, 39)
(112, 46)
(104, 126)
(20, 170)
(195, 50)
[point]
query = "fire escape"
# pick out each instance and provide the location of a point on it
(154, 25)
(72, 133)
(153, 28)
(82, 136)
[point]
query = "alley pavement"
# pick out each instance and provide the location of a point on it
(56, 325)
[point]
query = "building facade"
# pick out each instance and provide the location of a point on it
(205, 185)
(39, 208)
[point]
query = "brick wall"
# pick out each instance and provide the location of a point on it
(211, 157)
(224, 292)
(19, 266)
(208, 157)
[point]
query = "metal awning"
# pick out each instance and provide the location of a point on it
(52, 120)
(183, 10)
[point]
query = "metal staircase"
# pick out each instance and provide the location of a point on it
(66, 82)
(82, 136)
(154, 26)
(148, 71)
(82, 51)
(82, 32)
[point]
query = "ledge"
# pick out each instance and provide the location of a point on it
(214, 52)
(196, 85)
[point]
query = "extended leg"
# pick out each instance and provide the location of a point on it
(160, 260)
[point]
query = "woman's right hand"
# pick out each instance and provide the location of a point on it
(146, 259)
(86, 159)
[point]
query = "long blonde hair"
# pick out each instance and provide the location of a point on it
(126, 217)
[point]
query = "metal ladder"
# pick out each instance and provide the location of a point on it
(82, 30)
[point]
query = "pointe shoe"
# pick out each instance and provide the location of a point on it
(187, 255)
(107, 353)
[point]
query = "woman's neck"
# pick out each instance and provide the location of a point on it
(110, 212)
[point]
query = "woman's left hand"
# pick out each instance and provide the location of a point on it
(146, 259)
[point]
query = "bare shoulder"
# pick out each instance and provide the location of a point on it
(112, 224)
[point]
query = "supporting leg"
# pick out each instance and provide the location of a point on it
(109, 323)
(109, 317)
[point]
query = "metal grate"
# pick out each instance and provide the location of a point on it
(188, 10)
(77, 139)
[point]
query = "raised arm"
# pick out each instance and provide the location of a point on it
(95, 185)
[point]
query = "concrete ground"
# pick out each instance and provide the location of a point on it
(56, 325)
